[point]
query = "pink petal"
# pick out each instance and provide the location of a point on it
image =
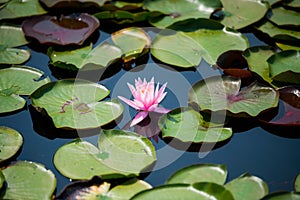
(138, 118)
(132, 89)
(129, 102)
(152, 107)
(161, 94)
(161, 110)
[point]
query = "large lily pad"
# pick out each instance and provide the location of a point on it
(10, 142)
(247, 187)
(257, 60)
(72, 3)
(216, 42)
(16, 9)
(85, 58)
(133, 42)
(188, 125)
(28, 180)
(223, 93)
(75, 104)
(176, 49)
(284, 66)
(197, 191)
(174, 10)
(239, 14)
(13, 55)
(63, 30)
(12, 36)
(285, 18)
(120, 153)
(213, 173)
(15, 81)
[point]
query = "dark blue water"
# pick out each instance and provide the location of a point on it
(274, 159)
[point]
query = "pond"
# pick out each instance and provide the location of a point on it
(251, 149)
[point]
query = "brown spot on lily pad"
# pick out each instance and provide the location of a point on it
(71, 29)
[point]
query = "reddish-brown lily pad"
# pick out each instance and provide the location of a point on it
(63, 30)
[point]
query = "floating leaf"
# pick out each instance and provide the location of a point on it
(285, 18)
(223, 93)
(28, 180)
(197, 191)
(10, 142)
(294, 4)
(13, 55)
(176, 49)
(122, 16)
(65, 30)
(284, 66)
(2, 179)
(247, 187)
(297, 183)
(188, 125)
(257, 60)
(175, 10)
(133, 42)
(12, 36)
(239, 14)
(16, 8)
(287, 46)
(75, 104)
(85, 58)
(282, 196)
(216, 42)
(82, 160)
(212, 173)
(18, 80)
(232, 59)
(72, 3)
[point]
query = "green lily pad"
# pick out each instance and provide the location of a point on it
(239, 14)
(284, 17)
(212, 173)
(284, 47)
(28, 180)
(197, 191)
(178, 10)
(133, 41)
(10, 142)
(15, 81)
(2, 179)
(12, 36)
(279, 34)
(247, 187)
(16, 8)
(82, 160)
(297, 183)
(13, 55)
(176, 49)
(72, 4)
(122, 16)
(86, 57)
(257, 60)
(282, 196)
(188, 125)
(295, 4)
(223, 93)
(216, 42)
(75, 104)
(284, 66)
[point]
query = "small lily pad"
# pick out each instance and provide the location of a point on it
(212, 173)
(72, 3)
(85, 58)
(13, 55)
(176, 49)
(239, 14)
(63, 30)
(197, 191)
(15, 81)
(10, 142)
(120, 154)
(284, 66)
(223, 93)
(12, 36)
(133, 41)
(282, 196)
(177, 10)
(28, 180)
(285, 18)
(297, 183)
(188, 125)
(75, 104)
(247, 187)
(16, 9)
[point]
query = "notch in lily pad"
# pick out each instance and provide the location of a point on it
(75, 104)
(16, 81)
(71, 29)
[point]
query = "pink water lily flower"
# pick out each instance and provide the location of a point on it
(146, 99)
